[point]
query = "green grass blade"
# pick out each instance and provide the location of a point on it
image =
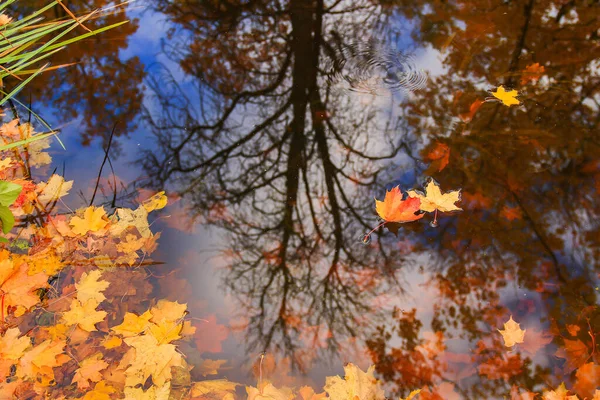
(42, 121)
(86, 35)
(27, 141)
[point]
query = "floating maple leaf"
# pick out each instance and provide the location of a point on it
(394, 209)
(512, 333)
(508, 98)
(94, 219)
(356, 384)
(561, 393)
(434, 200)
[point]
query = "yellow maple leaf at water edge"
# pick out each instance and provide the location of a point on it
(561, 393)
(55, 188)
(84, 315)
(156, 202)
(150, 358)
(356, 384)
(512, 333)
(90, 287)
(508, 98)
(133, 324)
(102, 391)
(153, 393)
(434, 199)
(94, 219)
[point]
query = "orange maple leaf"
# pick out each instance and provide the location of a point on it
(394, 209)
(17, 288)
(588, 380)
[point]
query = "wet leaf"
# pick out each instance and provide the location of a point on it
(434, 199)
(356, 384)
(394, 209)
(93, 220)
(508, 98)
(89, 371)
(84, 315)
(512, 333)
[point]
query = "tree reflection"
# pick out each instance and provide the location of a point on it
(271, 152)
(273, 155)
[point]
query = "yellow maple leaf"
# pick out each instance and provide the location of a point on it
(308, 393)
(94, 219)
(155, 202)
(131, 244)
(112, 342)
(102, 391)
(153, 392)
(266, 391)
(507, 98)
(18, 288)
(41, 359)
(54, 189)
(5, 163)
(133, 324)
(47, 262)
(433, 199)
(150, 358)
(167, 320)
(512, 333)
(561, 393)
(84, 315)
(137, 218)
(90, 287)
(356, 384)
(12, 347)
(89, 371)
(215, 389)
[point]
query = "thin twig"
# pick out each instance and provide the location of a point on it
(112, 134)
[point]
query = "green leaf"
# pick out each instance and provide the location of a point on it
(7, 218)
(3, 240)
(9, 192)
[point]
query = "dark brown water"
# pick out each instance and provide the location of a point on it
(274, 124)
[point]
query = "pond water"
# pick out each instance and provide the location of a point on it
(273, 126)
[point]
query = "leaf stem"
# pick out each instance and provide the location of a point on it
(373, 230)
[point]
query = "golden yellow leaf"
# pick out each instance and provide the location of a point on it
(112, 342)
(5, 163)
(94, 219)
(12, 347)
(507, 98)
(133, 324)
(90, 287)
(561, 393)
(433, 199)
(214, 390)
(153, 393)
(156, 202)
(41, 359)
(47, 262)
(150, 358)
(356, 384)
(308, 393)
(266, 391)
(19, 288)
(166, 310)
(102, 391)
(84, 315)
(131, 244)
(512, 333)
(54, 189)
(89, 371)
(57, 332)
(137, 218)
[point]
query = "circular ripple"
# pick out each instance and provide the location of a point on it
(369, 68)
